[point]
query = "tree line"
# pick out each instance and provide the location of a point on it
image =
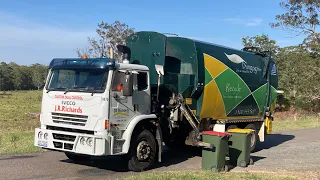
(20, 77)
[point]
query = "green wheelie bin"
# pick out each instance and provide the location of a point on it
(215, 158)
(239, 147)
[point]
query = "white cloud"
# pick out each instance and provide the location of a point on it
(26, 42)
(246, 22)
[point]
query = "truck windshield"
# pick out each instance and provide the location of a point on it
(78, 80)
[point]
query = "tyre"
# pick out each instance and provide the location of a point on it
(251, 162)
(254, 137)
(243, 164)
(214, 169)
(77, 157)
(143, 151)
(226, 168)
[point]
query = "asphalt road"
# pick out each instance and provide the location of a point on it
(292, 150)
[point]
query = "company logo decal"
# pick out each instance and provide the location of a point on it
(245, 67)
(73, 103)
(59, 108)
(120, 113)
(65, 107)
(235, 58)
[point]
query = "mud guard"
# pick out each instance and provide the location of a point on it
(261, 132)
(159, 140)
(129, 130)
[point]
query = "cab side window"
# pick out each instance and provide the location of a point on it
(117, 82)
(142, 81)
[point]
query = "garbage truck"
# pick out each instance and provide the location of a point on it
(164, 90)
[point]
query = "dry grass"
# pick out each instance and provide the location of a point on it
(14, 109)
(295, 120)
(16, 126)
(17, 142)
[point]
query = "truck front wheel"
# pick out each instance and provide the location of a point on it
(143, 150)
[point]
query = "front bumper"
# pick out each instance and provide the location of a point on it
(73, 142)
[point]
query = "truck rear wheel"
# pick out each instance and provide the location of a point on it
(143, 150)
(77, 157)
(254, 137)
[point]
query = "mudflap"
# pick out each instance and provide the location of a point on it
(159, 140)
(268, 122)
(261, 132)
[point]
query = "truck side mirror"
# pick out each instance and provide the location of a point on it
(128, 85)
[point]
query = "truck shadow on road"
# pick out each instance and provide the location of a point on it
(169, 157)
(273, 140)
(17, 157)
(119, 163)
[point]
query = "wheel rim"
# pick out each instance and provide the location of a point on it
(143, 150)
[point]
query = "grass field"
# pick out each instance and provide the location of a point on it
(205, 175)
(301, 123)
(17, 123)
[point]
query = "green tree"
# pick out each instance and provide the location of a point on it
(110, 35)
(299, 77)
(5, 77)
(17, 76)
(38, 75)
(263, 42)
(301, 17)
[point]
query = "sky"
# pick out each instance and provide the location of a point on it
(36, 31)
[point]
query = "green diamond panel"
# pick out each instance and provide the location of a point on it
(260, 96)
(232, 88)
(207, 77)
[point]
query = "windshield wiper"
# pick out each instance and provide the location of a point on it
(75, 90)
(67, 90)
(92, 91)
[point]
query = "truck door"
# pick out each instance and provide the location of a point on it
(121, 108)
(141, 93)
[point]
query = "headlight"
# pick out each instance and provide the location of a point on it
(82, 140)
(40, 133)
(89, 141)
(45, 136)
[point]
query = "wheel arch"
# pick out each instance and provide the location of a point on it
(136, 123)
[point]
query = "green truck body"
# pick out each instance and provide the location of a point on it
(218, 82)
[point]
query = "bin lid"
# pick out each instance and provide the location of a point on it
(215, 133)
(238, 130)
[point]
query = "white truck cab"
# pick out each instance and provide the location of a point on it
(97, 107)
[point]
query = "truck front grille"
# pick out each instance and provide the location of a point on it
(63, 137)
(72, 119)
(61, 145)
